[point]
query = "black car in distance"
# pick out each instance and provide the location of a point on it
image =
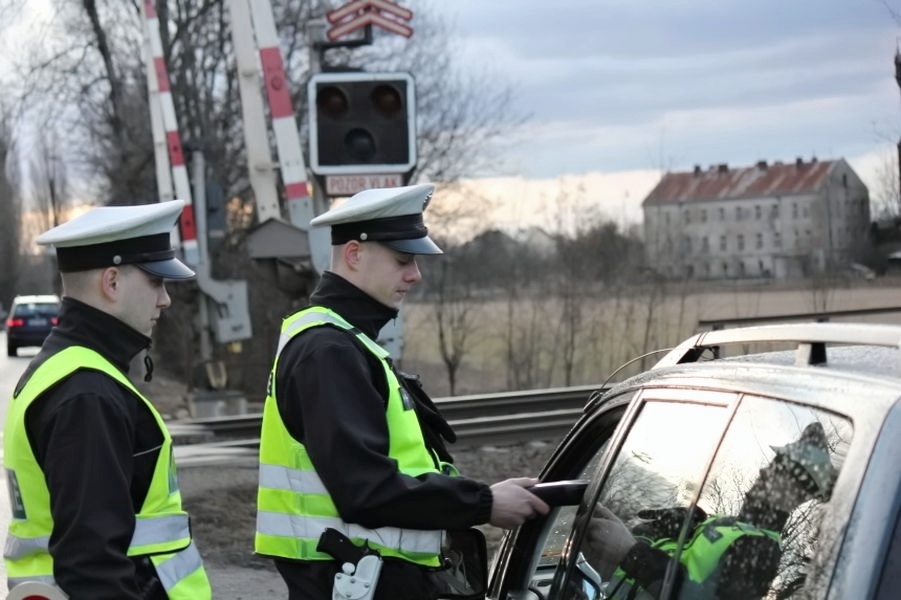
(29, 321)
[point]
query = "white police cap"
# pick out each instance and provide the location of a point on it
(109, 236)
(390, 216)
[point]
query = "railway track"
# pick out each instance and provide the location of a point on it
(480, 419)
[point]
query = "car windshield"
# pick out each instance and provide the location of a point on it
(36, 310)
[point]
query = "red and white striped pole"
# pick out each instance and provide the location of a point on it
(284, 125)
(187, 225)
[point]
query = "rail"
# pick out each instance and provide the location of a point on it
(480, 419)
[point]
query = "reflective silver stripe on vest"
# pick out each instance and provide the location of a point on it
(309, 527)
(278, 477)
(174, 569)
(323, 317)
(14, 581)
(158, 530)
(171, 571)
(152, 530)
(19, 547)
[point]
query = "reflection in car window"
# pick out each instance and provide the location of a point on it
(744, 530)
(664, 457)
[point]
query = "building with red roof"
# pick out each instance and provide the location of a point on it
(780, 221)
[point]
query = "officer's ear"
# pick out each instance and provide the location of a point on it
(111, 282)
(352, 254)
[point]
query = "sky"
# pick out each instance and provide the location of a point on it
(632, 88)
(616, 92)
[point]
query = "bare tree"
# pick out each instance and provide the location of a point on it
(454, 312)
(10, 209)
(89, 66)
(48, 181)
(887, 196)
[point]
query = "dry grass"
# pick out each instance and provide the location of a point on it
(614, 329)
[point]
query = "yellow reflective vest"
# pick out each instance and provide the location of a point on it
(293, 506)
(162, 531)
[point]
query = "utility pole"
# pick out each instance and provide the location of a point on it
(898, 80)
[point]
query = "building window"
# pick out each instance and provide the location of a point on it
(741, 242)
(705, 246)
(723, 243)
(758, 212)
(666, 218)
(774, 212)
(794, 210)
(703, 215)
(738, 213)
(777, 239)
(722, 213)
(805, 211)
(686, 216)
(759, 240)
(686, 244)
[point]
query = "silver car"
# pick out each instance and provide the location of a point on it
(748, 463)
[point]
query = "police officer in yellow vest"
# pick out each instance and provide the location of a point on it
(96, 507)
(724, 557)
(348, 441)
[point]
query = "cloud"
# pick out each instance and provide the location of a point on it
(631, 84)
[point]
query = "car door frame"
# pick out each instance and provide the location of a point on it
(514, 561)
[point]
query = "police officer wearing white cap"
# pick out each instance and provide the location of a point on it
(97, 512)
(351, 443)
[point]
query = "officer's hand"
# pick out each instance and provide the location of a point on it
(512, 504)
(607, 541)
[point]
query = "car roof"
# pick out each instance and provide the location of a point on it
(814, 362)
(36, 299)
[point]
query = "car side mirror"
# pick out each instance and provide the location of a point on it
(465, 572)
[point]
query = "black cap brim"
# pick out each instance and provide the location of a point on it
(171, 268)
(423, 245)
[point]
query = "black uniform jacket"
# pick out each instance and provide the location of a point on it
(332, 396)
(97, 444)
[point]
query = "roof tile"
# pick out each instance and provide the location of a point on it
(721, 183)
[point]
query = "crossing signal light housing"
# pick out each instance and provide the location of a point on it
(362, 123)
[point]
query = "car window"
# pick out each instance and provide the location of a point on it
(35, 310)
(688, 511)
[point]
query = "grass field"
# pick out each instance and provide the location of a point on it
(523, 344)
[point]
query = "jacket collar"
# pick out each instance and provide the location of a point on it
(358, 308)
(83, 325)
